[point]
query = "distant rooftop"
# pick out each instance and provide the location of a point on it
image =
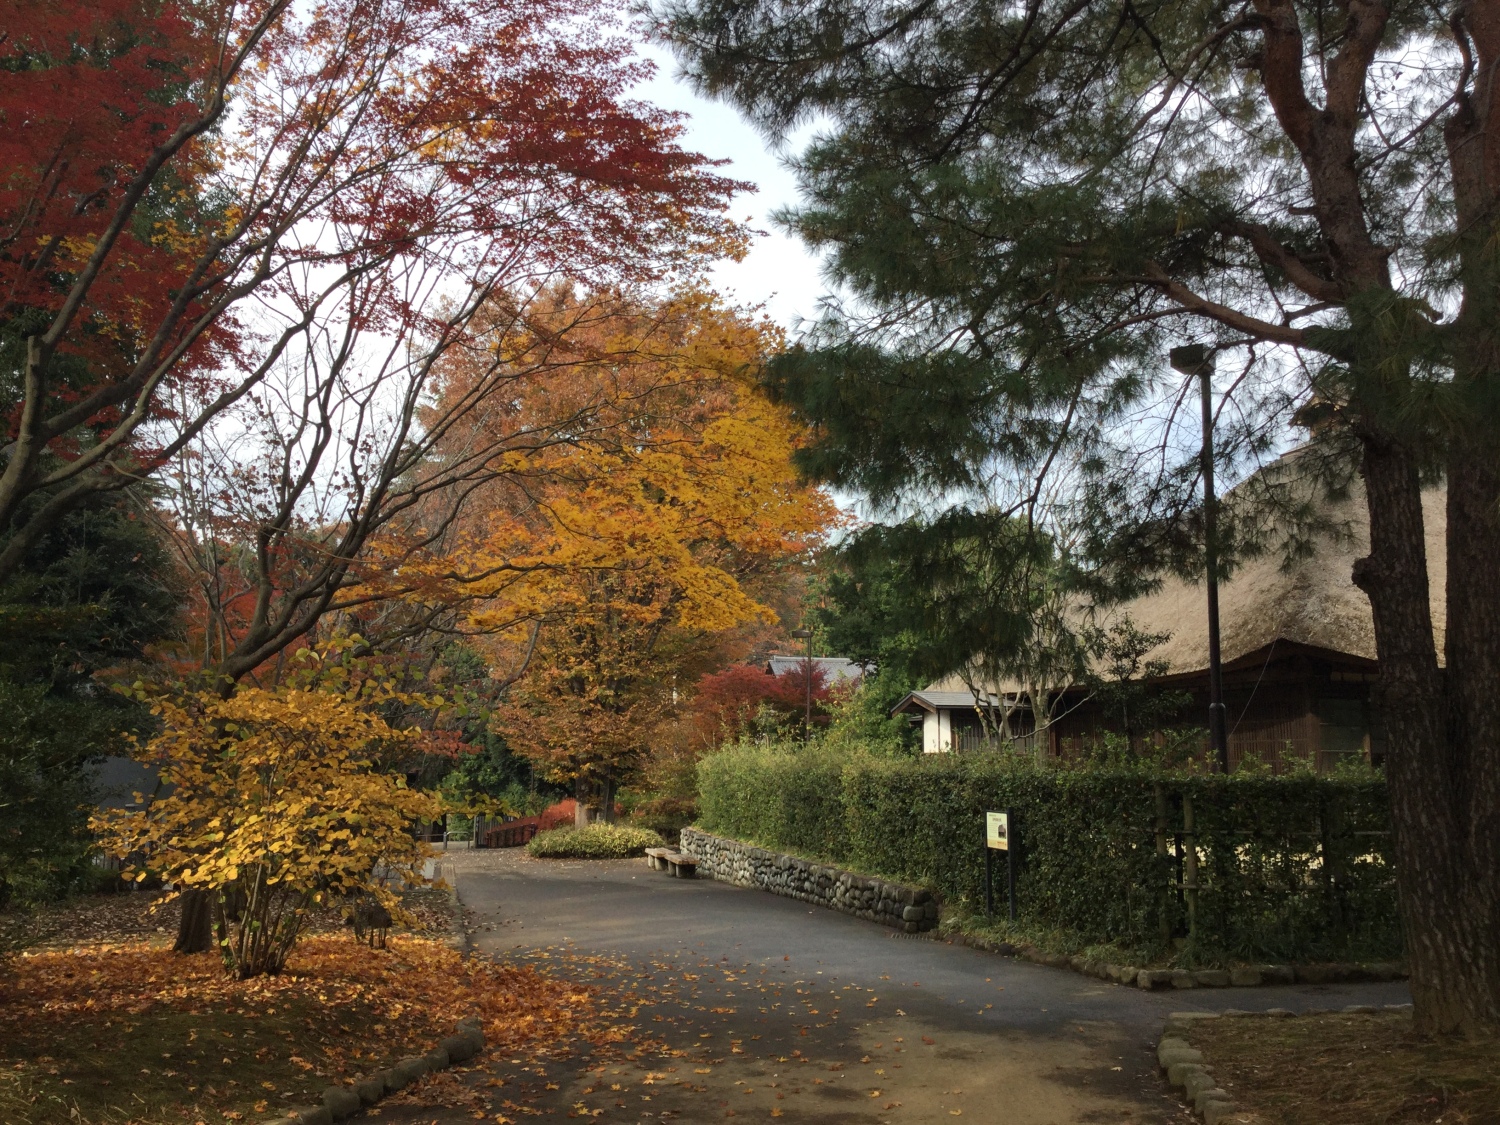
(835, 669)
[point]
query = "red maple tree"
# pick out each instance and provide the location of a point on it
(290, 213)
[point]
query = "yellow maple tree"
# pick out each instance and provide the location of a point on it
(646, 488)
(271, 800)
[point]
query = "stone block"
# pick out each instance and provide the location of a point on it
(1195, 1080)
(1217, 1112)
(1182, 979)
(1245, 977)
(413, 1067)
(930, 909)
(460, 1048)
(1212, 1094)
(436, 1059)
(1358, 1008)
(1177, 1073)
(1189, 1057)
(1280, 1013)
(1150, 979)
(1317, 974)
(1278, 974)
(393, 1079)
(1213, 978)
(1173, 1043)
(370, 1090)
(341, 1102)
(310, 1115)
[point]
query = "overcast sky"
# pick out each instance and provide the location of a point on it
(778, 273)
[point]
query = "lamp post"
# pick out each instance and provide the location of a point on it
(1198, 359)
(807, 670)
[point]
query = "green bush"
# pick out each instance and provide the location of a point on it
(780, 796)
(597, 841)
(1288, 868)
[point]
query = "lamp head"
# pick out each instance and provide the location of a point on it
(1192, 359)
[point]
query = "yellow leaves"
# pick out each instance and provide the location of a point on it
(275, 787)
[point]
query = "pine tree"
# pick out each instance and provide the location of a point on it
(1031, 202)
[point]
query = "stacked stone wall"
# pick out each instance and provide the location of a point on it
(910, 909)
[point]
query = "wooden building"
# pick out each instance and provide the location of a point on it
(1298, 658)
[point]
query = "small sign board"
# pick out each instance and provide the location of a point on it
(997, 831)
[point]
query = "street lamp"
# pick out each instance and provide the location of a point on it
(807, 635)
(1198, 359)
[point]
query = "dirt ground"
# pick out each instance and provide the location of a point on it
(1351, 1069)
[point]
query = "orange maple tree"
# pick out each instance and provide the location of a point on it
(648, 488)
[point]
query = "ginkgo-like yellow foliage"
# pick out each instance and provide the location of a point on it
(271, 801)
(645, 487)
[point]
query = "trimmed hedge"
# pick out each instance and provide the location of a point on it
(1291, 868)
(597, 841)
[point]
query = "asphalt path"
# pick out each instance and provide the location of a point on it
(757, 1006)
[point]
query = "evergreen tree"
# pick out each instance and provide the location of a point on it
(92, 594)
(1030, 202)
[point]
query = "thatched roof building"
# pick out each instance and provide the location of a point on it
(1298, 647)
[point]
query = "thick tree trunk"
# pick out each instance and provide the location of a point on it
(1472, 656)
(195, 926)
(1446, 890)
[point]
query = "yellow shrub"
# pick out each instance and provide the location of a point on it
(270, 801)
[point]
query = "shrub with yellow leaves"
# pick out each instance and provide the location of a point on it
(271, 800)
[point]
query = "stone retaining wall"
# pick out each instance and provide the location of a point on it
(910, 909)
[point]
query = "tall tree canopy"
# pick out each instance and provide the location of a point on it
(644, 496)
(1029, 202)
(242, 235)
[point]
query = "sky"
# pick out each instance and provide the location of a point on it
(779, 273)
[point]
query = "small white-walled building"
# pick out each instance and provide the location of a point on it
(950, 719)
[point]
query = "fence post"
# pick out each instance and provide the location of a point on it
(1164, 912)
(1333, 872)
(1189, 865)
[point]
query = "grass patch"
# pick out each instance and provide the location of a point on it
(597, 841)
(1350, 1069)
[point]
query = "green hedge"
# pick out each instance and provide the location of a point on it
(1289, 868)
(597, 841)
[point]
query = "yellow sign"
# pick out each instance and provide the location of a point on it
(997, 831)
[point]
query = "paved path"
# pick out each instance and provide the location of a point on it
(766, 1008)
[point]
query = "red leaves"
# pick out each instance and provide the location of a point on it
(88, 89)
(726, 701)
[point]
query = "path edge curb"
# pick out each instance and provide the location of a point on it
(341, 1102)
(1185, 1068)
(1152, 980)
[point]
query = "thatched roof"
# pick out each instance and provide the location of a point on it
(1311, 602)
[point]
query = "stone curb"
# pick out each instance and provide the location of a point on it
(340, 1102)
(1248, 976)
(912, 910)
(1184, 1066)
(458, 938)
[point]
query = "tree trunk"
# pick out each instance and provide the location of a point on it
(195, 932)
(1446, 896)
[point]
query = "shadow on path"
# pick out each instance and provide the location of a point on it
(748, 1005)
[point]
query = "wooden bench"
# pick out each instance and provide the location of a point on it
(656, 858)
